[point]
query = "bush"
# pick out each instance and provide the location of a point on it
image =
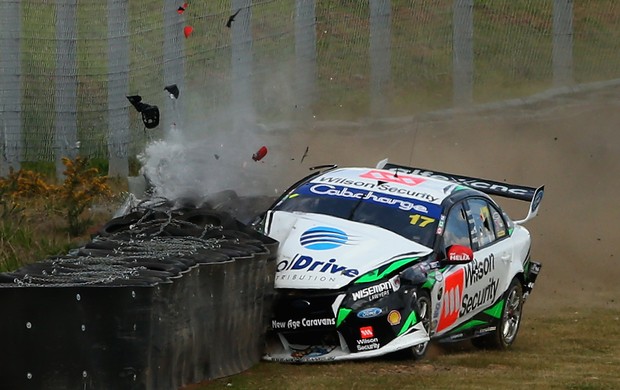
(35, 216)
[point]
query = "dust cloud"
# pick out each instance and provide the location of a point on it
(210, 150)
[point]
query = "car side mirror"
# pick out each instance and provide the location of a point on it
(458, 254)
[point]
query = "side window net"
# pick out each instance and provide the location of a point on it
(484, 224)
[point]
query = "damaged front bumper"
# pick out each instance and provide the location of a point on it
(280, 349)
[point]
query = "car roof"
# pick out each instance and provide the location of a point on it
(417, 187)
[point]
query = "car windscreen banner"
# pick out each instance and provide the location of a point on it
(379, 198)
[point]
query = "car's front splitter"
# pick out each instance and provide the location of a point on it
(288, 353)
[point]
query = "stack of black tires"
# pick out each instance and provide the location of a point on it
(161, 297)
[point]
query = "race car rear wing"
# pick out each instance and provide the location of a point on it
(529, 194)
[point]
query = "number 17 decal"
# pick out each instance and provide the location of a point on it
(420, 220)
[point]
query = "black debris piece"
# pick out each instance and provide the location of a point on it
(231, 18)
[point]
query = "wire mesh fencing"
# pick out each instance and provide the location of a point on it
(67, 66)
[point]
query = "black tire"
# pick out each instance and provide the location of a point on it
(204, 216)
(508, 325)
(423, 308)
(121, 223)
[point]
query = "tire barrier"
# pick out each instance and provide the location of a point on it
(159, 298)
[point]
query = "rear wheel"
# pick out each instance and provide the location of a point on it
(424, 312)
(508, 324)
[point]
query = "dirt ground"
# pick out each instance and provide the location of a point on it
(570, 144)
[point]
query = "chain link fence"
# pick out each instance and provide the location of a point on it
(66, 67)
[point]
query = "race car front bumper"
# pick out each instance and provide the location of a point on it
(280, 350)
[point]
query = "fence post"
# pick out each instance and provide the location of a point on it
(66, 83)
(463, 53)
(10, 87)
(562, 42)
(305, 56)
(243, 113)
(380, 52)
(118, 88)
(174, 63)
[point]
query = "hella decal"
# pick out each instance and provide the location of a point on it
(322, 238)
(460, 253)
(370, 312)
(307, 263)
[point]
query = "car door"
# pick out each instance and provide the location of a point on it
(469, 288)
(485, 276)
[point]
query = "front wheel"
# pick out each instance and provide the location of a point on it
(422, 307)
(508, 324)
(424, 312)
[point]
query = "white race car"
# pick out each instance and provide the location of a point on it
(378, 260)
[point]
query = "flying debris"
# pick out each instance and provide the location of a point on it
(182, 8)
(136, 101)
(150, 113)
(173, 90)
(187, 31)
(150, 117)
(305, 154)
(262, 152)
(231, 18)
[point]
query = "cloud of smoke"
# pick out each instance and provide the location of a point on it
(210, 147)
(184, 166)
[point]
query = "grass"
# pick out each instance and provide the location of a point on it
(566, 349)
(38, 232)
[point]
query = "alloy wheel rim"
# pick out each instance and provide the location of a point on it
(512, 316)
(424, 318)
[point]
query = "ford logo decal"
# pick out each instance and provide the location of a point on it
(323, 238)
(369, 313)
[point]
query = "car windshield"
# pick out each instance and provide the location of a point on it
(412, 219)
